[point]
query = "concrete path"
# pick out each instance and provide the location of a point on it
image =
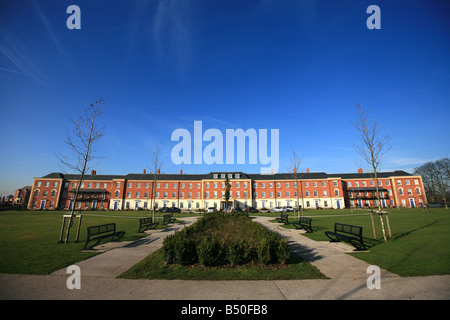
(347, 277)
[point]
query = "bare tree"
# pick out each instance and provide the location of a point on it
(372, 146)
(294, 167)
(81, 143)
(427, 171)
(155, 170)
(436, 177)
(443, 178)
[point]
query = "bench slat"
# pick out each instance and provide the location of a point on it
(146, 224)
(350, 233)
(101, 232)
(303, 223)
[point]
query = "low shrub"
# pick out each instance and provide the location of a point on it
(179, 249)
(211, 252)
(225, 238)
(239, 253)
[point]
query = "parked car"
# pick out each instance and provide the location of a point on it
(434, 205)
(212, 209)
(288, 209)
(170, 209)
(278, 209)
(252, 210)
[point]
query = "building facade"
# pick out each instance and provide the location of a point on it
(22, 196)
(309, 190)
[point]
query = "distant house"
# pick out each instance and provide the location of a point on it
(22, 195)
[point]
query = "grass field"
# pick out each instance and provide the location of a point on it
(29, 243)
(420, 244)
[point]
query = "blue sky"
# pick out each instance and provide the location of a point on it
(296, 66)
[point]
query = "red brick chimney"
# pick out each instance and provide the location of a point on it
(360, 170)
(93, 172)
(159, 171)
(181, 171)
(307, 170)
(295, 170)
(144, 171)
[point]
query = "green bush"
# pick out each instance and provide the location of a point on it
(283, 251)
(239, 253)
(225, 238)
(179, 249)
(211, 252)
(263, 251)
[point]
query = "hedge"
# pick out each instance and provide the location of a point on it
(225, 239)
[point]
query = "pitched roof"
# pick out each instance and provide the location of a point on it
(252, 176)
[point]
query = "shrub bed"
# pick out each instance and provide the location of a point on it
(225, 239)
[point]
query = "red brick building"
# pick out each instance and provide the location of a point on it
(199, 191)
(22, 195)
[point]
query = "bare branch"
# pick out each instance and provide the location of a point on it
(81, 145)
(294, 167)
(372, 147)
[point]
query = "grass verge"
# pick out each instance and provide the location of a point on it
(154, 267)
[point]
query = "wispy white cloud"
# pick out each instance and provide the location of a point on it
(171, 33)
(48, 28)
(9, 70)
(22, 53)
(17, 55)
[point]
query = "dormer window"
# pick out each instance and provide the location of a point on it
(215, 175)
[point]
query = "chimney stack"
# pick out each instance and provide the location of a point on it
(307, 170)
(295, 170)
(360, 170)
(159, 171)
(93, 172)
(144, 171)
(181, 171)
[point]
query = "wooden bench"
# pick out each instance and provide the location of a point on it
(303, 223)
(147, 224)
(284, 218)
(168, 219)
(349, 233)
(101, 232)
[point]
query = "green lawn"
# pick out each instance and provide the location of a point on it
(420, 244)
(29, 242)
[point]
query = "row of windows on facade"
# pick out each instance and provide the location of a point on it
(263, 194)
(400, 192)
(263, 204)
(237, 193)
(182, 185)
(354, 203)
(388, 183)
(53, 194)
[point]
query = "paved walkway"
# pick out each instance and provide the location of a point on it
(347, 277)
